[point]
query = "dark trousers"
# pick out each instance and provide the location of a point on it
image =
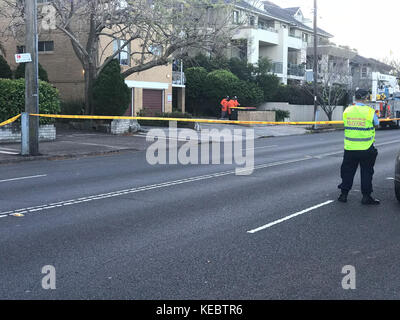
(366, 159)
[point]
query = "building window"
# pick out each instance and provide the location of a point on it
(124, 54)
(20, 49)
(46, 46)
(252, 21)
(364, 72)
(305, 37)
(235, 17)
(292, 32)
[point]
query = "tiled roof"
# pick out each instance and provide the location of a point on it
(292, 10)
(274, 11)
(362, 60)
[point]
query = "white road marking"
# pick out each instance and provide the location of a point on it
(389, 178)
(143, 188)
(8, 149)
(8, 152)
(269, 225)
(24, 178)
(266, 147)
(164, 185)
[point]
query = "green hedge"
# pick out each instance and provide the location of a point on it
(12, 99)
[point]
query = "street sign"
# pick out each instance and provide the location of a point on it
(23, 57)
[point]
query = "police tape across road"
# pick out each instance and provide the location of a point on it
(59, 116)
(9, 120)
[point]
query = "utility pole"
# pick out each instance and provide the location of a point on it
(30, 125)
(315, 63)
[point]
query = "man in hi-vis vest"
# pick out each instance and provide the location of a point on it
(359, 122)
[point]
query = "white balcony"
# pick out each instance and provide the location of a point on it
(295, 43)
(265, 35)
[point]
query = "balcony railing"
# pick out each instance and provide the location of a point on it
(264, 27)
(298, 70)
(178, 78)
(277, 67)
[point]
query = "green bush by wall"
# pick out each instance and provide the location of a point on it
(12, 99)
(5, 70)
(111, 96)
(19, 73)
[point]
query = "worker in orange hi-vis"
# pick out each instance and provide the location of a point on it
(231, 105)
(224, 107)
(236, 104)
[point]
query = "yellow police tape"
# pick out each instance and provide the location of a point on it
(180, 119)
(9, 121)
(59, 116)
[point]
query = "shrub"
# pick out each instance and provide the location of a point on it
(19, 73)
(281, 115)
(73, 107)
(248, 93)
(195, 88)
(5, 70)
(269, 84)
(111, 94)
(241, 69)
(12, 99)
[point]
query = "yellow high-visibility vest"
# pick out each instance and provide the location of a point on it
(359, 127)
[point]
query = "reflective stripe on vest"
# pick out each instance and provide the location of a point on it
(359, 139)
(359, 127)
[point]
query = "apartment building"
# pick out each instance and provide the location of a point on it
(362, 69)
(280, 34)
(155, 90)
(333, 63)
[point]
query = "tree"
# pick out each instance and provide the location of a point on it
(195, 88)
(334, 85)
(111, 94)
(147, 33)
(395, 64)
(5, 70)
(19, 73)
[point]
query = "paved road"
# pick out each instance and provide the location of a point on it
(117, 227)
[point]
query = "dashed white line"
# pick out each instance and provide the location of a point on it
(24, 178)
(269, 225)
(143, 188)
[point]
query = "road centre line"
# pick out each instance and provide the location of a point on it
(167, 184)
(24, 178)
(269, 225)
(145, 188)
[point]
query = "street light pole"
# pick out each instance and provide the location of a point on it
(315, 63)
(30, 125)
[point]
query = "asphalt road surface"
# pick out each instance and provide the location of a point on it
(115, 227)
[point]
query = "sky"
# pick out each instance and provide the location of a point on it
(372, 27)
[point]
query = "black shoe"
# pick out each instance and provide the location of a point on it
(343, 198)
(368, 200)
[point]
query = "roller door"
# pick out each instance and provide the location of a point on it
(152, 101)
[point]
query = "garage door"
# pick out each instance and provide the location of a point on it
(152, 101)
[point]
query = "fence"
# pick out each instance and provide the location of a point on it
(302, 112)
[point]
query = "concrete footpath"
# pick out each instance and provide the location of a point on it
(74, 143)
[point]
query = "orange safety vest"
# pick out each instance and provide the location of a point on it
(231, 104)
(224, 104)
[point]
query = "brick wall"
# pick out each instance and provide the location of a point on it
(12, 133)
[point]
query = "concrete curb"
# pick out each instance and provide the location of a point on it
(20, 158)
